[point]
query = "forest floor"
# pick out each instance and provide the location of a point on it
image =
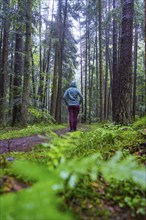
(91, 200)
(25, 143)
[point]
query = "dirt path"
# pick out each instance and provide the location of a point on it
(25, 143)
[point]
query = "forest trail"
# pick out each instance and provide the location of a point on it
(26, 143)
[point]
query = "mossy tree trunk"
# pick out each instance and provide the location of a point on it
(17, 95)
(27, 64)
(4, 64)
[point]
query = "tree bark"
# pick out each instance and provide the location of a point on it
(135, 71)
(100, 62)
(55, 84)
(41, 79)
(4, 67)
(16, 116)
(62, 27)
(145, 56)
(125, 65)
(97, 77)
(81, 66)
(106, 68)
(27, 64)
(114, 67)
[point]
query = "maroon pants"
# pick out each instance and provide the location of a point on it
(73, 114)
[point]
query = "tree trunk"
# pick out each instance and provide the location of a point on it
(27, 64)
(86, 73)
(41, 79)
(115, 66)
(100, 61)
(145, 56)
(135, 71)
(47, 81)
(62, 27)
(55, 84)
(17, 71)
(33, 82)
(97, 78)
(4, 67)
(125, 65)
(106, 68)
(81, 65)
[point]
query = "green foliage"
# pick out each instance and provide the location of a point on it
(140, 124)
(107, 140)
(9, 133)
(38, 202)
(66, 176)
(37, 116)
(71, 166)
(126, 194)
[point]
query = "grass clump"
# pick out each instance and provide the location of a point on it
(106, 140)
(140, 124)
(35, 129)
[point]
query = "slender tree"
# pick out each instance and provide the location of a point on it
(17, 69)
(41, 78)
(135, 71)
(27, 64)
(97, 73)
(62, 31)
(4, 67)
(81, 63)
(145, 55)
(106, 65)
(115, 66)
(100, 61)
(54, 84)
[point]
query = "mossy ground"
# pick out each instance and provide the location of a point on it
(89, 199)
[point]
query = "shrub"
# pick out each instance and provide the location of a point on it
(140, 124)
(37, 116)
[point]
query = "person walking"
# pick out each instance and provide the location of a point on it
(73, 98)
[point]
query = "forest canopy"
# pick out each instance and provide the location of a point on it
(46, 44)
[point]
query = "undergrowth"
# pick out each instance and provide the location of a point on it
(10, 132)
(81, 175)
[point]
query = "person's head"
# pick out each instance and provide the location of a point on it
(73, 84)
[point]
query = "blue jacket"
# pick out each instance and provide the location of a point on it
(72, 95)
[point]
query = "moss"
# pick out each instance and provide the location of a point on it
(140, 124)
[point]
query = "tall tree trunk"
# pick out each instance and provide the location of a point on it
(111, 83)
(115, 66)
(62, 27)
(1, 39)
(33, 81)
(16, 116)
(81, 65)
(27, 64)
(91, 85)
(106, 67)
(4, 67)
(145, 57)
(125, 65)
(47, 82)
(55, 84)
(135, 71)
(86, 73)
(100, 61)
(97, 77)
(89, 78)
(41, 79)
